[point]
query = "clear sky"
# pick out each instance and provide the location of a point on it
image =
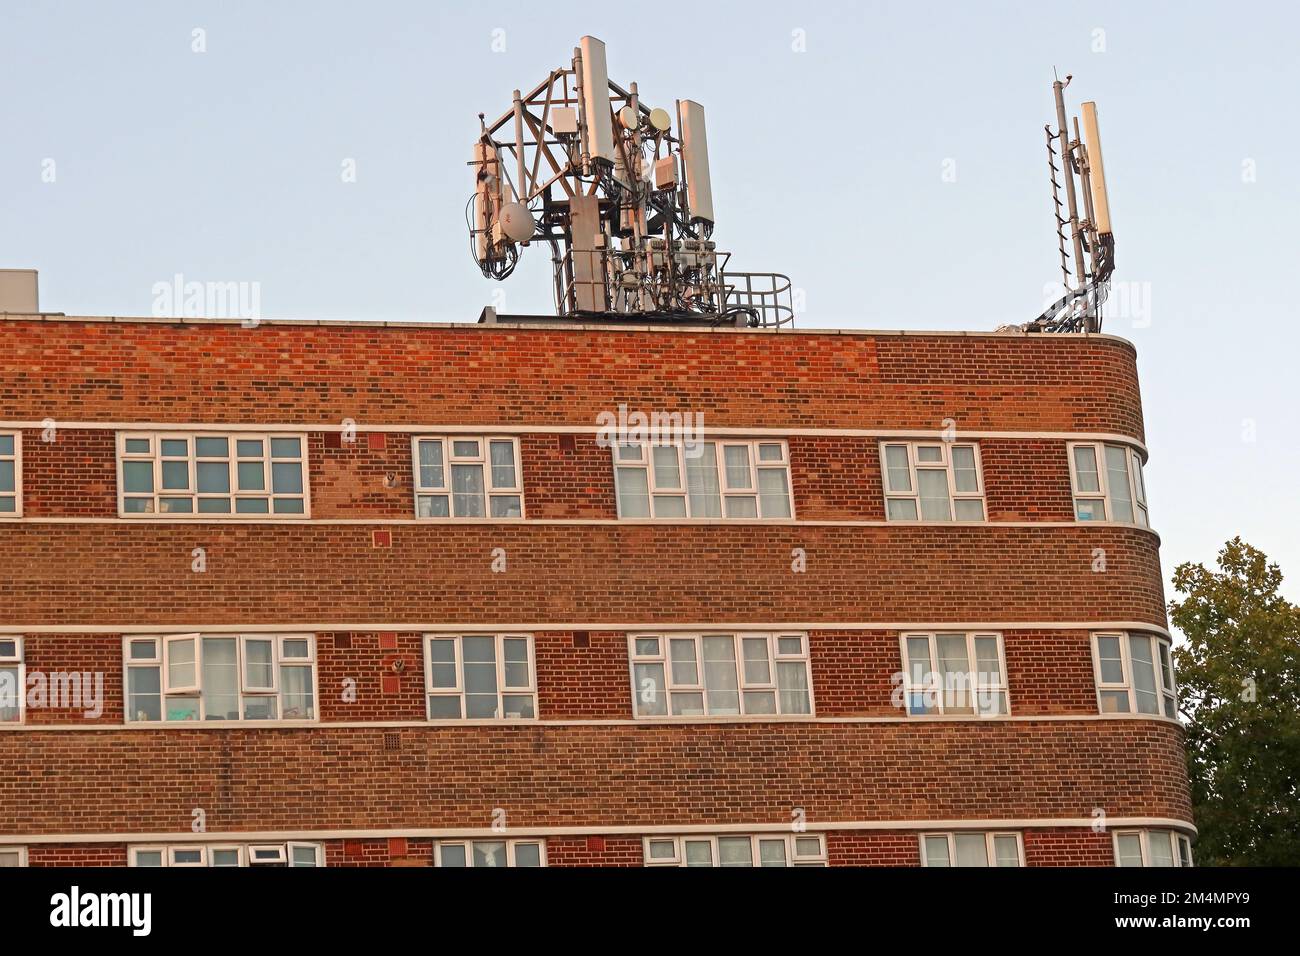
(831, 127)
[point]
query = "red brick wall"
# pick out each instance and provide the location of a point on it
(567, 476)
(873, 848)
(140, 573)
(77, 854)
(74, 476)
(1026, 480)
(595, 851)
(100, 655)
(502, 375)
(345, 778)
(1061, 847)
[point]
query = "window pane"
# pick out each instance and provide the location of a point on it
(303, 856)
(1089, 509)
(720, 678)
(224, 857)
(214, 477)
(503, 464)
(792, 679)
(1117, 483)
(736, 458)
(987, 663)
(175, 447)
(518, 706)
(1112, 666)
(773, 493)
(954, 671)
(144, 693)
(251, 476)
(1144, 675)
(1162, 851)
(699, 853)
(528, 854)
(963, 465)
(8, 481)
(451, 854)
(259, 663)
(137, 476)
(702, 482)
(286, 448)
(297, 692)
(670, 506)
(647, 647)
(467, 491)
(1114, 702)
(249, 447)
(212, 447)
(936, 851)
(220, 679)
(286, 477)
(932, 484)
(461, 448)
(148, 858)
(770, 451)
(480, 677)
(181, 663)
(489, 853)
(1085, 468)
(430, 506)
(444, 707)
(252, 506)
(901, 509)
(919, 671)
(633, 493)
(771, 852)
(896, 469)
(741, 506)
(516, 662)
(969, 509)
(431, 470)
(735, 851)
(1007, 850)
(971, 849)
(684, 664)
(651, 701)
(687, 705)
(665, 464)
(1130, 849)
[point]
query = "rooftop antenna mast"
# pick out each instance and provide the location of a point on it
(622, 194)
(1083, 232)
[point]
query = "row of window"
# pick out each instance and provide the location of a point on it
(211, 475)
(270, 677)
(959, 848)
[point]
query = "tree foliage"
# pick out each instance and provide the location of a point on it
(1239, 684)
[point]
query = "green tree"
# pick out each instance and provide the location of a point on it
(1239, 683)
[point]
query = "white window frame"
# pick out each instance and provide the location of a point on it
(774, 657)
(791, 841)
(459, 690)
(1136, 483)
(161, 660)
(645, 461)
(17, 459)
(21, 851)
(154, 455)
(484, 460)
(511, 847)
(16, 661)
(946, 464)
(910, 688)
(1128, 684)
(1180, 843)
(990, 846)
(245, 851)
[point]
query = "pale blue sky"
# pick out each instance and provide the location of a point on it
(225, 166)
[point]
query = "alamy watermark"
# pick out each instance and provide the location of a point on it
(651, 428)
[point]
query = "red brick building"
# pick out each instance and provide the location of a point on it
(365, 594)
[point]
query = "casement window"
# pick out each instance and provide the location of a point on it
(716, 675)
(932, 481)
(228, 854)
(712, 479)
(13, 680)
(11, 474)
(1135, 674)
(13, 856)
(480, 677)
(1107, 482)
(972, 849)
(212, 475)
(1152, 848)
(491, 853)
(468, 477)
(949, 674)
(181, 677)
(795, 849)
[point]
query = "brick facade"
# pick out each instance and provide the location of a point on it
(367, 580)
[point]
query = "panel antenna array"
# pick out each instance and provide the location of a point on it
(622, 195)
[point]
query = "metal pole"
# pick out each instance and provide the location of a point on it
(521, 194)
(1063, 135)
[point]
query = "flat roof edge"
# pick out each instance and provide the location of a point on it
(535, 325)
